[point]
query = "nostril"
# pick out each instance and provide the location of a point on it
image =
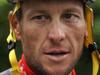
(56, 42)
(56, 39)
(61, 39)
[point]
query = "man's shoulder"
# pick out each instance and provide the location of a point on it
(6, 72)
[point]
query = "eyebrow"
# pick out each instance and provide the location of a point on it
(46, 10)
(72, 10)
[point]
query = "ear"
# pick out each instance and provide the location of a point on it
(15, 24)
(86, 36)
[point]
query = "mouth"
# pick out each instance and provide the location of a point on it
(57, 55)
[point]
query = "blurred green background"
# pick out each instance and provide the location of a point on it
(84, 65)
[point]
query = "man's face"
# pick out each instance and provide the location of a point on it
(52, 35)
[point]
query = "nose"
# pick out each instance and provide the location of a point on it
(56, 33)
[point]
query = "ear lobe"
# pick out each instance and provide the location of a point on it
(86, 33)
(86, 39)
(14, 25)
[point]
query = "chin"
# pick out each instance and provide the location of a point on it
(58, 70)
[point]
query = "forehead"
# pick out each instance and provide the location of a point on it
(35, 2)
(52, 5)
(50, 0)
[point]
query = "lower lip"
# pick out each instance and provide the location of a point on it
(58, 58)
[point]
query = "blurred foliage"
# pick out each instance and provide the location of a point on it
(3, 34)
(85, 60)
(96, 29)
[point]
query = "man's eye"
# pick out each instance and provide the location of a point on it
(40, 18)
(67, 16)
(70, 17)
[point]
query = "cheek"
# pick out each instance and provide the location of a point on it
(32, 39)
(78, 40)
(79, 43)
